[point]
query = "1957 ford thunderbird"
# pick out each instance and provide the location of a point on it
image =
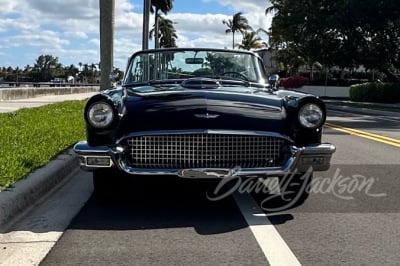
(201, 113)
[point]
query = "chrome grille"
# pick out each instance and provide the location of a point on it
(183, 151)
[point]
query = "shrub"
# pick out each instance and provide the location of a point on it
(376, 92)
(31, 137)
(293, 82)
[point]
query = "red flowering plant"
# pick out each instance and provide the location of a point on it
(293, 82)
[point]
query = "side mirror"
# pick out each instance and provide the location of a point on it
(273, 77)
(114, 75)
(114, 78)
(273, 81)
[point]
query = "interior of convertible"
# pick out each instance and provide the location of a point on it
(172, 65)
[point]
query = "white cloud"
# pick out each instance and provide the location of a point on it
(7, 6)
(76, 34)
(244, 6)
(253, 10)
(70, 29)
(87, 9)
(123, 49)
(74, 55)
(9, 24)
(207, 30)
(95, 42)
(129, 24)
(198, 23)
(43, 39)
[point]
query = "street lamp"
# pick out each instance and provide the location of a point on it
(146, 22)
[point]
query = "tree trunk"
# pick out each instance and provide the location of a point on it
(106, 42)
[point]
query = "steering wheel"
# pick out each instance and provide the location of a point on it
(234, 73)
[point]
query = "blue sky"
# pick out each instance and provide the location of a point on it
(69, 30)
(201, 7)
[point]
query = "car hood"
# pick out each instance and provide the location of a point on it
(193, 109)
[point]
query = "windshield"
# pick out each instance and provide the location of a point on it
(164, 65)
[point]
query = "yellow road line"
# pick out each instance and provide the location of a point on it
(363, 134)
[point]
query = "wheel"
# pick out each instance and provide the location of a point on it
(106, 183)
(294, 189)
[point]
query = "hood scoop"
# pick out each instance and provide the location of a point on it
(201, 83)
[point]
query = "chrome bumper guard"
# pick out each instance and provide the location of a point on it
(318, 157)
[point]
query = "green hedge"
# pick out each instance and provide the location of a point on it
(376, 92)
(30, 138)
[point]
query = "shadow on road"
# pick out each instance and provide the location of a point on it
(160, 203)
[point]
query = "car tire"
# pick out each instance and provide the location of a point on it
(106, 183)
(294, 191)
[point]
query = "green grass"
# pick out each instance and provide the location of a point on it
(30, 138)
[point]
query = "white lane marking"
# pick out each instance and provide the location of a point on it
(274, 247)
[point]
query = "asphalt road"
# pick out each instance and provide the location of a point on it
(352, 216)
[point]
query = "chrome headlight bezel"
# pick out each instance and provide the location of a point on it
(311, 116)
(100, 115)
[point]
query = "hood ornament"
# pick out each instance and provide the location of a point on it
(206, 116)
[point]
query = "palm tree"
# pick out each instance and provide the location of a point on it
(166, 33)
(250, 41)
(237, 23)
(276, 6)
(159, 5)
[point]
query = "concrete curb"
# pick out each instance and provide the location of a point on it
(25, 193)
(361, 110)
(8, 94)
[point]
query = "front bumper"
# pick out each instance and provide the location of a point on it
(302, 159)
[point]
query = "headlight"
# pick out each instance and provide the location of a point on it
(100, 115)
(311, 116)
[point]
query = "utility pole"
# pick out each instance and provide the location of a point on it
(106, 41)
(156, 29)
(146, 22)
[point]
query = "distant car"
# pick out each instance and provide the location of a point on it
(201, 113)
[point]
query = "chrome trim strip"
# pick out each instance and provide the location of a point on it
(323, 148)
(205, 131)
(271, 171)
(206, 116)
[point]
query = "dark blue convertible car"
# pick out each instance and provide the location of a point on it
(201, 113)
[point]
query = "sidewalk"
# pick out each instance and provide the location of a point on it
(13, 105)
